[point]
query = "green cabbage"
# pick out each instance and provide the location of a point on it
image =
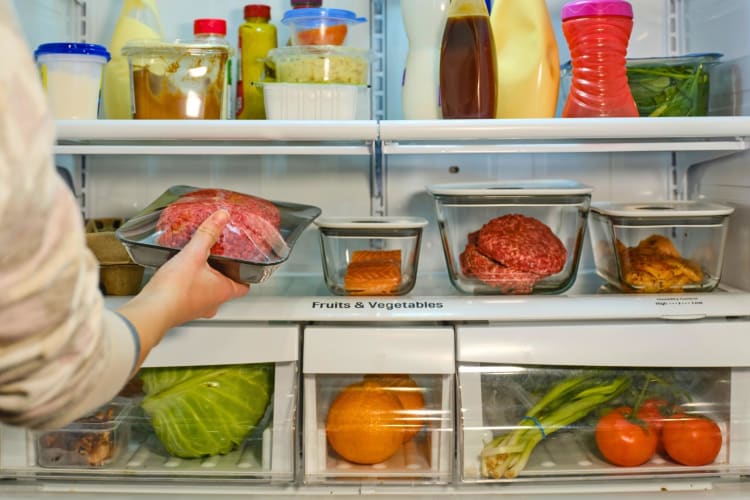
(201, 411)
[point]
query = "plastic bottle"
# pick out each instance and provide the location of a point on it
(527, 60)
(598, 32)
(256, 37)
(139, 20)
(214, 31)
(467, 62)
(424, 21)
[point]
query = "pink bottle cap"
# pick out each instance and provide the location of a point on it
(585, 8)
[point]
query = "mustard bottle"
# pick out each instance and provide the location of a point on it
(527, 61)
(139, 19)
(256, 37)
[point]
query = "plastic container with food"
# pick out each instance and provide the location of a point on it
(516, 237)
(319, 26)
(95, 440)
(669, 247)
(320, 64)
(259, 237)
(370, 255)
(72, 76)
(311, 101)
(177, 80)
(664, 86)
(118, 274)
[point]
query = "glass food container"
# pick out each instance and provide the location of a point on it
(370, 255)
(664, 247)
(519, 237)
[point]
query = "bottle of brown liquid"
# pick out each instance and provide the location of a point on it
(467, 62)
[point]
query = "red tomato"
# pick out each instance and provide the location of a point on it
(624, 441)
(655, 412)
(691, 439)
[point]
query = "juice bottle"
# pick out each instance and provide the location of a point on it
(424, 21)
(214, 31)
(257, 36)
(467, 62)
(527, 61)
(598, 32)
(139, 20)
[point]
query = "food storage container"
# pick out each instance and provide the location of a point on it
(118, 274)
(319, 26)
(515, 237)
(258, 239)
(370, 255)
(96, 440)
(527, 415)
(671, 86)
(664, 86)
(176, 80)
(311, 101)
(320, 64)
(670, 246)
(378, 404)
(72, 76)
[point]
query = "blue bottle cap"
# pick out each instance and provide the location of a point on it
(72, 48)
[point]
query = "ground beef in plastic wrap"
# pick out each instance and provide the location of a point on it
(512, 253)
(522, 243)
(251, 235)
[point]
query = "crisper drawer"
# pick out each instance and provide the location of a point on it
(378, 404)
(539, 404)
(211, 402)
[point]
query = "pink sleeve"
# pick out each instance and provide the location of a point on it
(61, 353)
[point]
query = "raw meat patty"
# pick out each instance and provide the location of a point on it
(522, 243)
(510, 281)
(251, 235)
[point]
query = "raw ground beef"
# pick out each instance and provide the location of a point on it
(522, 243)
(251, 235)
(512, 253)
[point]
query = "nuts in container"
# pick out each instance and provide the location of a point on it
(512, 238)
(370, 255)
(92, 441)
(664, 247)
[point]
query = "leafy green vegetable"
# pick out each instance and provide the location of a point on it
(200, 411)
(670, 90)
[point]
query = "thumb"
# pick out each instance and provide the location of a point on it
(208, 232)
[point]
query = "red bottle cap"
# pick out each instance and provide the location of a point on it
(255, 10)
(585, 8)
(209, 27)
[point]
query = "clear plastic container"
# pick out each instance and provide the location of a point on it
(521, 237)
(96, 440)
(319, 26)
(663, 247)
(72, 77)
(320, 64)
(177, 80)
(311, 101)
(370, 255)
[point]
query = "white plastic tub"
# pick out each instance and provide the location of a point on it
(310, 101)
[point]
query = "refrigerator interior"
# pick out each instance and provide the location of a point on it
(380, 165)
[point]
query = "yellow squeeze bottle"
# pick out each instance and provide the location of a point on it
(527, 61)
(139, 20)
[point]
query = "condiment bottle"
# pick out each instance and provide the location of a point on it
(598, 32)
(424, 21)
(527, 60)
(214, 31)
(139, 20)
(256, 37)
(467, 62)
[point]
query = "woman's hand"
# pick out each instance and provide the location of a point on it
(183, 289)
